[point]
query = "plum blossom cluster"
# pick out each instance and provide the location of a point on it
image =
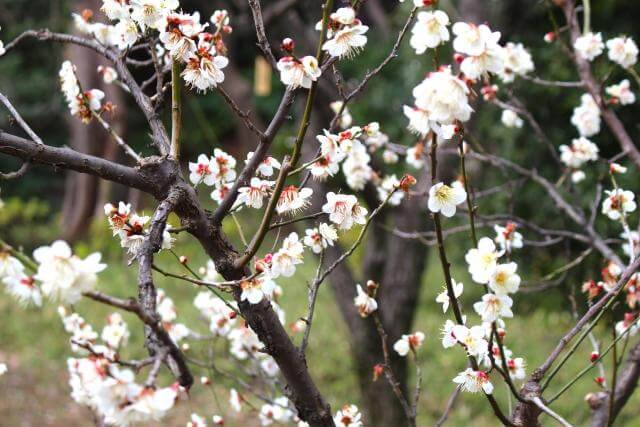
(131, 228)
(82, 104)
(345, 34)
(217, 171)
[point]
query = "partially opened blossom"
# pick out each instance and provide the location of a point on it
(586, 117)
(196, 421)
(293, 199)
(217, 420)
(255, 289)
(443, 297)
(223, 166)
(510, 119)
(621, 93)
(347, 41)
(480, 44)
(473, 339)
(474, 381)
(348, 416)
(278, 412)
(9, 265)
(618, 203)
(504, 279)
(3, 368)
(429, 31)
(64, 276)
(443, 96)
(178, 38)
(244, 344)
(419, 122)
(589, 46)
(407, 343)
(631, 245)
(516, 368)
(482, 260)
(345, 118)
(321, 237)
(444, 199)
(389, 184)
(356, 166)
(415, 155)
(507, 237)
(364, 302)
(623, 51)
(283, 262)
(579, 152)
(628, 326)
(235, 400)
(493, 307)
(296, 72)
(448, 337)
(116, 332)
(344, 210)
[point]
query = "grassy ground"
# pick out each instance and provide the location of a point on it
(35, 391)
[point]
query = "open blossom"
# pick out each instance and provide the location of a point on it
(152, 13)
(510, 119)
(631, 247)
(344, 210)
(109, 75)
(443, 297)
(492, 307)
(443, 97)
(65, 276)
(474, 381)
(444, 199)
(202, 171)
(278, 412)
(621, 93)
(623, 51)
(348, 416)
(419, 122)
(481, 46)
(179, 36)
(244, 343)
(516, 368)
(345, 119)
(516, 61)
(482, 260)
(580, 152)
(618, 202)
(589, 46)
(324, 168)
(408, 343)
(363, 301)
(504, 279)
(429, 31)
(254, 194)
(23, 288)
(253, 290)
(9, 265)
(629, 325)
(222, 166)
(507, 237)
(293, 199)
(267, 166)
(473, 339)
(321, 237)
(283, 262)
(349, 39)
(586, 117)
(299, 73)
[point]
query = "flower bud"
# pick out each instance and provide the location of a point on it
(288, 45)
(183, 260)
(406, 182)
(377, 371)
(599, 381)
(550, 37)
(458, 58)
(371, 287)
(594, 356)
(205, 380)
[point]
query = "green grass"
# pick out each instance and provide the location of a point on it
(35, 346)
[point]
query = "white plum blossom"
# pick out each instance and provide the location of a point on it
(3, 369)
(618, 203)
(321, 237)
(23, 288)
(474, 381)
(266, 167)
(196, 420)
(235, 400)
(283, 262)
(473, 339)
(419, 122)
(254, 194)
(253, 290)
(621, 93)
(631, 247)
(507, 237)
(109, 74)
(202, 171)
(293, 199)
(493, 307)
(63, 275)
(510, 119)
(429, 31)
(407, 343)
(586, 117)
(578, 176)
(204, 67)
(443, 297)
(481, 46)
(390, 157)
(516, 368)
(588, 46)
(152, 13)
(345, 119)
(504, 279)
(115, 333)
(363, 301)
(517, 61)
(444, 198)
(9, 265)
(443, 97)
(244, 343)
(448, 337)
(299, 72)
(623, 51)
(344, 210)
(580, 152)
(347, 41)
(482, 260)
(388, 184)
(277, 412)
(323, 168)
(348, 416)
